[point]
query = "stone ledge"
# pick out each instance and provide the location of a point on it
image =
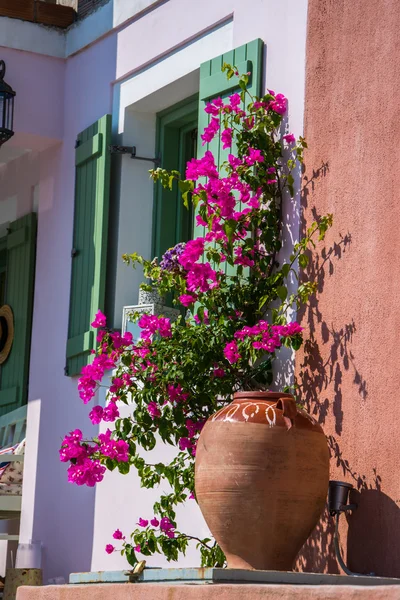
(124, 591)
(207, 575)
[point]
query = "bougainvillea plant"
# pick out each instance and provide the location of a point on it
(234, 317)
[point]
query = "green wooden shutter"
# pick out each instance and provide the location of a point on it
(20, 274)
(214, 83)
(88, 276)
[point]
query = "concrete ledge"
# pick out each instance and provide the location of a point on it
(124, 591)
(206, 576)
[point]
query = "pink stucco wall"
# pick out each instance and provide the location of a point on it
(63, 514)
(350, 365)
(39, 105)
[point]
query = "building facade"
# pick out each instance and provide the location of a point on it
(134, 73)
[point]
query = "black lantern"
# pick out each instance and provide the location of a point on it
(6, 107)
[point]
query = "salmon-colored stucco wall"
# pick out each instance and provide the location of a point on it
(350, 368)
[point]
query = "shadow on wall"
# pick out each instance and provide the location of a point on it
(321, 373)
(367, 524)
(373, 535)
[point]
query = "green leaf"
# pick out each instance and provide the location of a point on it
(263, 301)
(124, 468)
(230, 227)
(110, 464)
(303, 260)
(282, 292)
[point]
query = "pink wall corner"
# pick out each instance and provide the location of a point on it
(350, 364)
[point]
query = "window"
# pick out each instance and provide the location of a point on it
(176, 143)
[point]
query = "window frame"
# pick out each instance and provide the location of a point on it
(172, 127)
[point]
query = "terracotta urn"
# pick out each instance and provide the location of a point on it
(262, 474)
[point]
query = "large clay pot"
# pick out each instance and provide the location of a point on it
(262, 473)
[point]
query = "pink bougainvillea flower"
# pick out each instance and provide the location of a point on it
(210, 131)
(231, 352)
(155, 522)
(289, 138)
(71, 446)
(152, 324)
(153, 410)
(234, 161)
(142, 522)
(137, 548)
(92, 374)
(201, 277)
(214, 107)
(170, 534)
(101, 335)
(292, 329)
(118, 535)
(192, 252)
(271, 170)
(127, 338)
(110, 412)
(192, 496)
(240, 259)
(187, 299)
(271, 181)
(254, 155)
(110, 548)
(176, 393)
(185, 443)
(96, 415)
(226, 138)
(100, 320)
(279, 105)
(211, 109)
(165, 524)
(86, 471)
(117, 382)
(200, 221)
(218, 371)
(116, 339)
(234, 102)
(202, 167)
(112, 448)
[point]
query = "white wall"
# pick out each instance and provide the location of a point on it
(133, 69)
(171, 77)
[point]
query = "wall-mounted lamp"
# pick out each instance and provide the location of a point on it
(338, 497)
(7, 95)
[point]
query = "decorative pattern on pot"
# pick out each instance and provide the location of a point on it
(262, 474)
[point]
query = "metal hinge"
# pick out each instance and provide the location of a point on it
(74, 252)
(66, 371)
(132, 151)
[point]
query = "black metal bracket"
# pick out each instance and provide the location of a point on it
(132, 151)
